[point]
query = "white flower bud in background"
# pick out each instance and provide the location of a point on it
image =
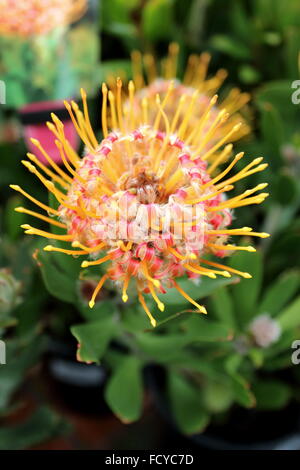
(265, 330)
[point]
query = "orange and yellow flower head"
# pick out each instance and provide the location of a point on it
(26, 18)
(147, 202)
(190, 95)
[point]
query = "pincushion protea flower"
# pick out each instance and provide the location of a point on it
(143, 196)
(195, 95)
(34, 17)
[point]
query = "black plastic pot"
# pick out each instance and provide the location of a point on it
(244, 430)
(78, 386)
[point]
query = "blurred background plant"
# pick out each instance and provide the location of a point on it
(206, 370)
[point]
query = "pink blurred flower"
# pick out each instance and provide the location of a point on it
(34, 116)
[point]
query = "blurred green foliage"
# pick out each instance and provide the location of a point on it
(211, 362)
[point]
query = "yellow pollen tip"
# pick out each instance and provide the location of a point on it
(237, 126)
(156, 283)
(251, 249)
(75, 244)
(153, 322)
(124, 297)
(203, 310)
(48, 248)
(226, 274)
(212, 275)
(84, 264)
(67, 105)
(161, 306)
(247, 276)
(15, 187)
(91, 303)
(19, 209)
(192, 256)
(26, 226)
(264, 235)
(239, 156)
(34, 141)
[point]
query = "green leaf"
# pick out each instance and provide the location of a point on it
(195, 289)
(290, 317)
(103, 309)
(12, 219)
(292, 50)
(157, 20)
(93, 339)
(20, 356)
(124, 391)
(284, 188)
(242, 392)
(271, 394)
(246, 292)
(41, 426)
(114, 67)
(272, 131)
(189, 412)
(164, 347)
(240, 386)
(230, 46)
(217, 396)
(241, 23)
(205, 367)
(280, 292)
(223, 307)
(248, 74)
(59, 279)
(257, 357)
(200, 328)
(278, 93)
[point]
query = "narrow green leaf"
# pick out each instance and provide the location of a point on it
(272, 131)
(223, 307)
(242, 392)
(246, 292)
(280, 292)
(200, 328)
(290, 317)
(195, 289)
(230, 46)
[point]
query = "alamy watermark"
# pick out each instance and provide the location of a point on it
(2, 352)
(2, 92)
(150, 222)
(296, 94)
(295, 358)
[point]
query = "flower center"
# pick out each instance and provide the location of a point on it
(145, 185)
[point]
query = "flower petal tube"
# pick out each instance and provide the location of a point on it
(147, 202)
